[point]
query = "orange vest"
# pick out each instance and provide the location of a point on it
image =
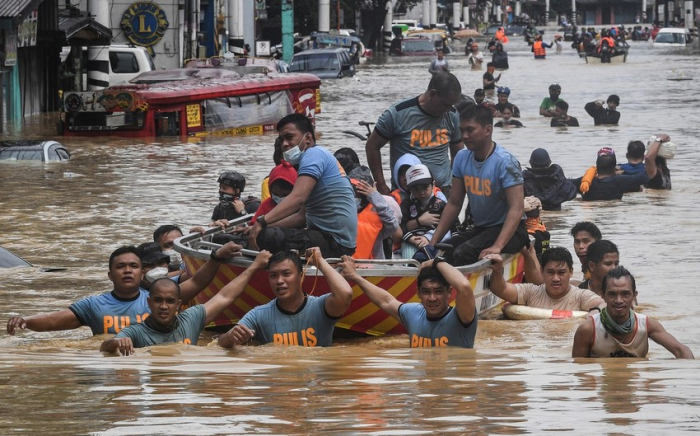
(368, 227)
(396, 193)
(609, 40)
(538, 49)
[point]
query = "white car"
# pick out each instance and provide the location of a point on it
(673, 37)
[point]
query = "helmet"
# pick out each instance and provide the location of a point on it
(232, 179)
(555, 87)
(503, 90)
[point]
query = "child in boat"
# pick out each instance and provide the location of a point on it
(281, 183)
(421, 212)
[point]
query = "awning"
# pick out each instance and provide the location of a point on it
(79, 29)
(17, 9)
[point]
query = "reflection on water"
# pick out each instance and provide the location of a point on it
(519, 380)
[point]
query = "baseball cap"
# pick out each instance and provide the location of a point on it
(479, 92)
(606, 151)
(151, 254)
(418, 175)
(284, 171)
(539, 159)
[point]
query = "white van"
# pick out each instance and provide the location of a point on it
(125, 63)
(673, 37)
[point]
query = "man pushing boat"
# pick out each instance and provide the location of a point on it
(432, 322)
(126, 304)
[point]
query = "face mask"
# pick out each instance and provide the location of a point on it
(293, 155)
(156, 273)
(175, 258)
(277, 199)
(224, 197)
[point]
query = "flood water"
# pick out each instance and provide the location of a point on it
(520, 379)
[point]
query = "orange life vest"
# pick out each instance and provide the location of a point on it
(368, 227)
(609, 41)
(538, 49)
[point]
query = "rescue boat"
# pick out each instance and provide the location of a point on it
(398, 276)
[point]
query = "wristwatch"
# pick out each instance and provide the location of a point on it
(214, 257)
(659, 140)
(261, 220)
(438, 259)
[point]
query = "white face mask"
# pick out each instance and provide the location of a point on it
(175, 257)
(293, 155)
(277, 199)
(156, 273)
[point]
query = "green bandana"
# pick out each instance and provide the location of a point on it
(613, 327)
(157, 327)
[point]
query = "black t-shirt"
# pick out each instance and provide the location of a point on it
(557, 122)
(514, 123)
(612, 187)
(488, 76)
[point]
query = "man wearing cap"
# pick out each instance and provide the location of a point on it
(547, 181)
(607, 185)
(491, 178)
(126, 304)
(602, 115)
(376, 220)
(426, 126)
(548, 105)
(432, 322)
(231, 205)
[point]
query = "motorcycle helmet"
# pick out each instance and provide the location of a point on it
(503, 90)
(232, 179)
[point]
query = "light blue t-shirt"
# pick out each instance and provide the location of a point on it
(330, 206)
(411, 130)
(105, 313)
(310, 327)
(191, 323)
(448, 331)
(486, 183)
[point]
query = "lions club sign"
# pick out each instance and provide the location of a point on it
(144, 23)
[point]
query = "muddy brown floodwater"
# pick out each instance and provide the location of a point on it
(520, 378)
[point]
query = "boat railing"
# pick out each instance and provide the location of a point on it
(200, 245)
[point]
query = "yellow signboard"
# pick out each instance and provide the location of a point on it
(194, 118)
(250, 130)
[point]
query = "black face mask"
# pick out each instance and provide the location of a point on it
(223, 197)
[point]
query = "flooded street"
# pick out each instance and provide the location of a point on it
(520, 379)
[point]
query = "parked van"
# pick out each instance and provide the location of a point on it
(125, 63)
(673, 37)
(328, 63)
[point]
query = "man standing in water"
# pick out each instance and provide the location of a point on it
(584, 233)
(602, 257)
(426, 126)
(556, 293)
(293, 318)
(166, 326)
(432, 322)
(602, 115)
(548, 105)
(618, 331)
(126, 304)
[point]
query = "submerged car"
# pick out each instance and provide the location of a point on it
(412, 47)
(327, 63)
(43, 151)
(673, 37)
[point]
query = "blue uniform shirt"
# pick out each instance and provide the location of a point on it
(486, 182)
(106, 313)
(309, 327)
(330, 206)
(191, 323)
(447, 331)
